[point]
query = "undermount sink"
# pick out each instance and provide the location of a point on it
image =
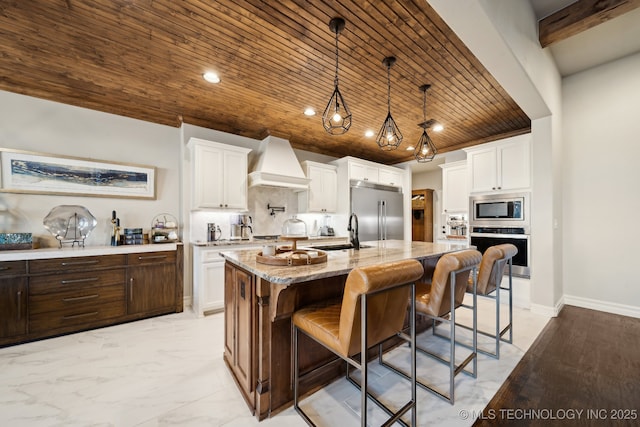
(339, 247)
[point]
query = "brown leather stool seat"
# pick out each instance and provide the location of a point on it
(373, 308)
(435, 301)
(489, 280)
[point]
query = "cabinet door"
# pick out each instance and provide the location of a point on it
(151, 288)
(244, 330)
(330, 190)
(454, 188)
(390, 177)
(13, 306)
(213, 286)
(514, 166)
(363, 172)
(316, 185)
(207, 181)
(482, 170)
(235, 180)
(230, 314)
(322, 189)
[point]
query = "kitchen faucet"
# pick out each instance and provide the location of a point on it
(353, 232)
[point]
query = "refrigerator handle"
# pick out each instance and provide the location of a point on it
(384, 220)
(380, 220)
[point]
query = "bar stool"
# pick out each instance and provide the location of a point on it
(490, 275)
(434, 301)
(373, 308)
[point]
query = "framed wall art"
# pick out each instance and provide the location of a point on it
(37, 173)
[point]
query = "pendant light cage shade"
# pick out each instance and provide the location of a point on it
(389, 136)
(425, 150)
(336, 118)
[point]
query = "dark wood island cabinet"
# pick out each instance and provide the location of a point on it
(50, 293)
(260, 300)
(13, 299)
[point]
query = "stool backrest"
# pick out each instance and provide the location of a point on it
(440, 295)
(492, 266)
(386, 310)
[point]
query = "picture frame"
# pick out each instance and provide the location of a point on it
(38, 173)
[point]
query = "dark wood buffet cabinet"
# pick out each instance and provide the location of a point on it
(41, 298)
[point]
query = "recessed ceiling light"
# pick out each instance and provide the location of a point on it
(211, 77)
(437, 127)
(369, 133)
(309, 112)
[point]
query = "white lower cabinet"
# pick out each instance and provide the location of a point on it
(208, 280)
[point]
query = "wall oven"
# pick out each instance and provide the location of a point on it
(503, 218)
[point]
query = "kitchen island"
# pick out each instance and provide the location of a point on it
(260, 300)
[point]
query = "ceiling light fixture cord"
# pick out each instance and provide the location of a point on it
(425, 150)
(389, 136)
(336, 118)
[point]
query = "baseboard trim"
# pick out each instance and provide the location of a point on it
(548, 311)
(606, 306)
(187, 301)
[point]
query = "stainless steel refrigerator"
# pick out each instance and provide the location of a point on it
(379, 210)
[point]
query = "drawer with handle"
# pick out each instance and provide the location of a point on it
(152, 258)
(75, 263)
(70, 308)
(13, 268)
(53, 283)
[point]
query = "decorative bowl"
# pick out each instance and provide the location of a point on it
(70, 223)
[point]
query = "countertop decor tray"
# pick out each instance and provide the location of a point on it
(293, 257)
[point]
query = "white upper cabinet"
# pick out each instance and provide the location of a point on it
(219, 175)
(500, 166)
(363, 171)
(390, 176)
(323, 188)
(455, 196)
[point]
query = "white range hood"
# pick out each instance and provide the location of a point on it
(277, 166)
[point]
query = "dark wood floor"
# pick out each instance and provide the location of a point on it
(583, 369)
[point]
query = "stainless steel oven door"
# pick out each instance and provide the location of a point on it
(521, 261)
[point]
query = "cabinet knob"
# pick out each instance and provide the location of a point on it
(221, 205)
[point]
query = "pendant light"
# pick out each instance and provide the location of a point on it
(425, 150)
(389, 137)
(337, 116)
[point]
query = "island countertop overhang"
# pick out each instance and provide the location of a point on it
(340, 262)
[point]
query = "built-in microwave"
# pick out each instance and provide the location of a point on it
(506, 210)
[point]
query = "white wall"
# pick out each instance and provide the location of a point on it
(601, 177)
(503, 35)
(34, 124)
(430, 179)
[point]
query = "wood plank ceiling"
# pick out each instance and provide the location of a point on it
(145, 59)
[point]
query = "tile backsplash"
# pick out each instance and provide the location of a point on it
(263, 222)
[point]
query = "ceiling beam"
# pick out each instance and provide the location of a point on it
(580, 16)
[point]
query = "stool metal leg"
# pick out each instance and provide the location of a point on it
(363, 361)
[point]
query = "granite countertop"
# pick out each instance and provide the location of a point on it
(339, 262)
(44, 253)
(255, 242)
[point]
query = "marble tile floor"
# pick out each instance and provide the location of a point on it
(169, 371)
